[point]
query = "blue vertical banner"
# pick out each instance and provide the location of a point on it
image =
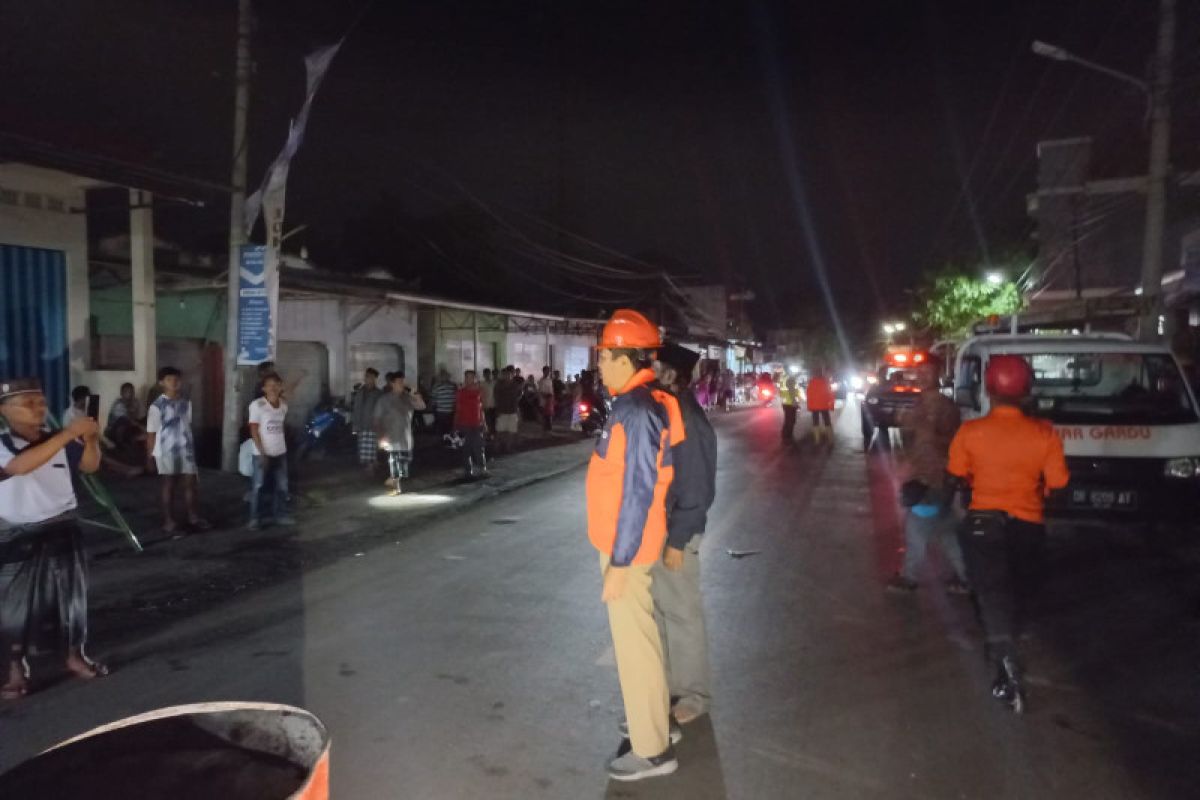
(254, 307)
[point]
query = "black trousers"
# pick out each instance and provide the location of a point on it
(1003, 564)
(789, 421)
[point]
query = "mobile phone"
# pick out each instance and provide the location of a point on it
(93, 406)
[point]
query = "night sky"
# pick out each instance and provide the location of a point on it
(696, 135)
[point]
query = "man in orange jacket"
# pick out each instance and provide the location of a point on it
(820, 404)
(1010, 462)
(627, 484)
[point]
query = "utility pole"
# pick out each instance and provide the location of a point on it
(1160, 145)
(237, 237)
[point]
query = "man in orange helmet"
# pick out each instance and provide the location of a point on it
(1010, 463)
(627, 484)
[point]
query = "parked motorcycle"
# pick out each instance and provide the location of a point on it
(327, 432)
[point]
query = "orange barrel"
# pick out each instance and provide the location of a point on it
(232, 751)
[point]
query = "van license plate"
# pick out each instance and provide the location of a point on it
(1112, 498)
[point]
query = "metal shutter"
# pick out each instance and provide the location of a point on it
(313, 359)
(383, 356)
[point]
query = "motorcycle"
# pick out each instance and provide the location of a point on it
(766, 395)
(326, 432)
(593, 413)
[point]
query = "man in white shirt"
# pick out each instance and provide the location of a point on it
(267, 414)
(545, 388)
(43, 572)
(487, 392)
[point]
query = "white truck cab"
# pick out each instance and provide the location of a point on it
(1126, 415)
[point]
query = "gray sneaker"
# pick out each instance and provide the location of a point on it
(676, 732)
(253, 525)
(286, 520)
(632, 767)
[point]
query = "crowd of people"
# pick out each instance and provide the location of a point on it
(650, 483)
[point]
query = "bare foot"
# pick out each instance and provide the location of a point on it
(83, 667)
(14, 691)
(18, 682)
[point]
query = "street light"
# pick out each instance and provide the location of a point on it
(899, 326)
(1056, 53)
(889, 328)
(995, 278)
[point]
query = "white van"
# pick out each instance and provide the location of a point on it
(1126, 415)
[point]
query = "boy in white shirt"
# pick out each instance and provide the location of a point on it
(171, 448)
(267, 414)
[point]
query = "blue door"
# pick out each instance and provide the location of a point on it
(33, 319)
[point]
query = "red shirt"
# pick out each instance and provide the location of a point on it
(820, 395)
(468, 408)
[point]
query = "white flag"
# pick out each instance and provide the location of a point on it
(269, 198)
(316, 64)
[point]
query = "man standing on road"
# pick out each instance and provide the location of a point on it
(468, 421)
(1010, 462)
(929, 426)
(789, 399)
(487, 391)
(545, 388)
(678, 607)
(362, 419)
(508, 417)
(267, 415)
(43, 572)
(627, 482)
(443, 394)
(820, 405)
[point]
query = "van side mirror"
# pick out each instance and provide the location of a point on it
(967, 397)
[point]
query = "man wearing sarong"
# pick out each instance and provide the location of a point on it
(43, 574)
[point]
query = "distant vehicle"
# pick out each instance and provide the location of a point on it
(894, 389)
(1127, 417)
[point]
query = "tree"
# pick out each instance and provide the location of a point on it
(952, 300)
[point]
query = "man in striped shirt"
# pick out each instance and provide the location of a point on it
(443, 394)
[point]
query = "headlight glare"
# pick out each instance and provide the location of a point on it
(1182, 468)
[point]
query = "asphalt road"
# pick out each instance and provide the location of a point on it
(472, 660)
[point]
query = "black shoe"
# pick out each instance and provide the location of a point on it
(1007, 688)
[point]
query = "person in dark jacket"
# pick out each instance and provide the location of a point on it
(678, 608)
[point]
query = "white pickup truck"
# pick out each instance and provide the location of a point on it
(1126, 415)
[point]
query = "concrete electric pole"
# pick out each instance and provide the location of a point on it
(1156, 179)
(1158, 98)
(237, 237)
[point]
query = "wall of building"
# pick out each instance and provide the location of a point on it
(341, 324)
(35, 211)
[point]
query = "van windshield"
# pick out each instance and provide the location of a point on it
(1110, 389)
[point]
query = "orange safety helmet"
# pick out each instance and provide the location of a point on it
(629, 329)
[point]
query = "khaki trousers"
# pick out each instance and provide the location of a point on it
(639, 654)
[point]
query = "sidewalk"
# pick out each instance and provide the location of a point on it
(340, 512)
